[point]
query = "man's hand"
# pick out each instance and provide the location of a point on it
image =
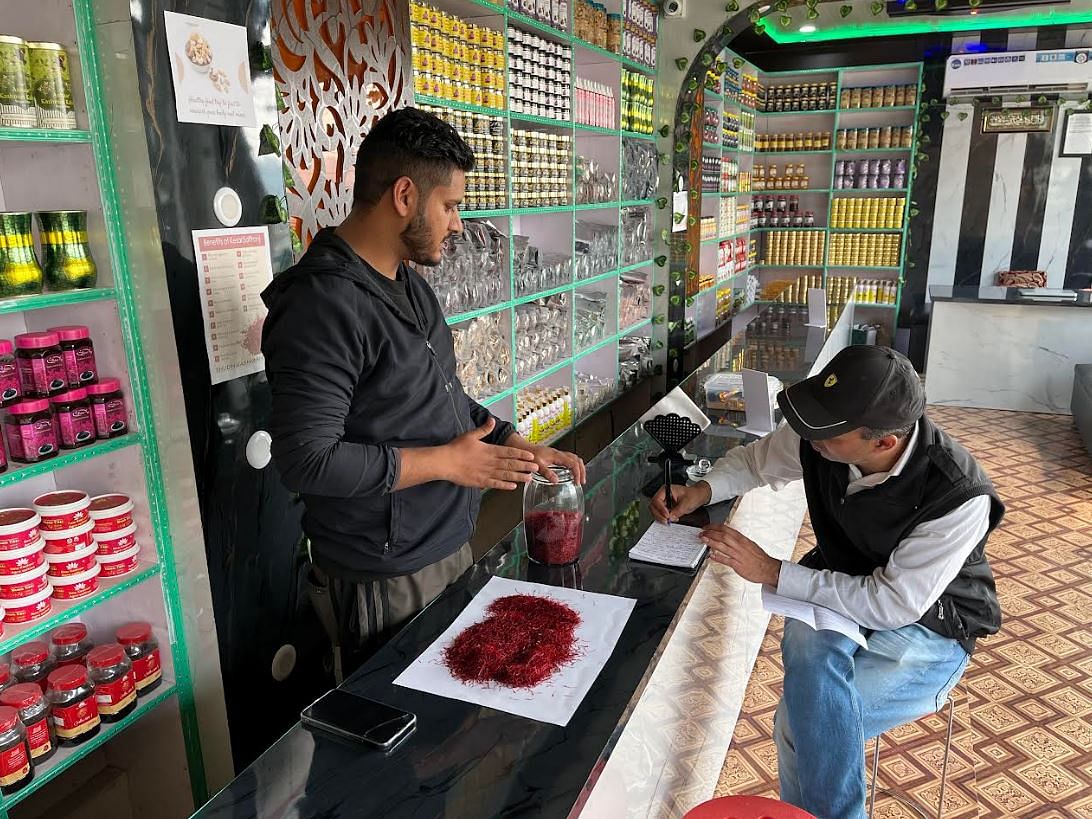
(469, 461)
(742, 554)
(687, 499)
(547, 456)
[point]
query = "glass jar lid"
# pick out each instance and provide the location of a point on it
(564, 475)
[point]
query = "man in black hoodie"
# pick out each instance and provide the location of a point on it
(369, 422)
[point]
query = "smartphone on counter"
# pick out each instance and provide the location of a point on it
(358, 719)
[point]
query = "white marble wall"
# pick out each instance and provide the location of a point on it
(1006, 356)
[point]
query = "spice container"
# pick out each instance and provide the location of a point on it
(16, 771)
(75, 424)
(16, 96)
(27, 584)
(51, 84)
(67, 541)
(18, 529)
(112, 543)
(63, 509)
(19, 561)
(111, 673)
(553, 517)
(119, 564)
(71, 564)
(75, 712)
(9, 373)
(20, 274)
(28, 609)
(33, 710)
(143, 651)
(111, 513)
(77, 586)
(31, 663)
(79, 354)
(70, 644)
(40, 362)
(30, 432)
(108, 407)
(66, 255)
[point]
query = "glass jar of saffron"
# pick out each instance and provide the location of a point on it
(553, 518)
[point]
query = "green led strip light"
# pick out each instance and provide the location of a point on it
(928, 25)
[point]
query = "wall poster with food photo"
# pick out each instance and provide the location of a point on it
(211, 70)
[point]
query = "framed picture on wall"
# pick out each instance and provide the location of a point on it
(1017, 120)
(1076, 134)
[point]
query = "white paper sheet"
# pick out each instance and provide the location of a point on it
(673, 545)
(818, 617)
(233, 268)
(602, 618)
(210, 66)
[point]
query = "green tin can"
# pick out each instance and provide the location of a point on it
(20, 274)
(51, 85)
(66, 256)
(16, 100)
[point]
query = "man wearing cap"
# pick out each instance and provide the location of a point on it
(901, 514)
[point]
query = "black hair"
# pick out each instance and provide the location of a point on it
(408, 142)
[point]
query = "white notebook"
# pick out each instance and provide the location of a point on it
(673, 545)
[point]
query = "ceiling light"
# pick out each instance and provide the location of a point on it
(807, 28)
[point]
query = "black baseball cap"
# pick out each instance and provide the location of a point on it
(862, 386)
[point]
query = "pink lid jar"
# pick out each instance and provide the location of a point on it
(79, 354)
(108, 407)
(40, 362)
(31, 431)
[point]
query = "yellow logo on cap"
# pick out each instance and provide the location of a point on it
(832, 379)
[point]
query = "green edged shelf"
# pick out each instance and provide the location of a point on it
(595, 206)
(629, 268)
(541, 211)
(633, 328)
(637, 135)
(873, 150)
(633, 65)
(22, 472)
(44, 135)
(636, 203)
(793, 153)
(65, 610)
(795, 113)
(546, 373)
(594, 49)
(65, 758)
(872, 306)
(595, 129)
(865, 230)
(596, 347)
(518, 18)
(709, 146)
(531, 118)
(43, 301)
(437, 102)
(843, 111)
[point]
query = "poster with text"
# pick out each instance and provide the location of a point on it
(211, 70)
(233, 268)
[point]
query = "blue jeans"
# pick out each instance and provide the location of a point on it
(837, 695)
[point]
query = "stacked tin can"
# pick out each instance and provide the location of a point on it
(35, 85)
(795, 247)
(539, 76)
(869, 212)
(66, 256)
(456, 60)
(637, 93)
(865, 249)
(880, 96)
(542, 169)
(870, 174)
(486, 185)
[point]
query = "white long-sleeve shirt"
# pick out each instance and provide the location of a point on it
(919, 568)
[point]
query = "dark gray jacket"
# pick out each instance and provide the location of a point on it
(354, 378)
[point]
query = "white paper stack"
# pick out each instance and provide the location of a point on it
(674, 545)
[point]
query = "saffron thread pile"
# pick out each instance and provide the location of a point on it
(523, 641)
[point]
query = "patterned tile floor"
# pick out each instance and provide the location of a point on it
(1022, 744)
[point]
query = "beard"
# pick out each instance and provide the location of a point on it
(419, 242)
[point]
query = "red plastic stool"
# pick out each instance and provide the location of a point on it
(746, 807)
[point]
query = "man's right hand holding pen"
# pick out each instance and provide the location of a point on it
(687, 499)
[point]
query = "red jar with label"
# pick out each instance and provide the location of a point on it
(16, 772)
(108, 407)
(5, 677)
(112, 543)
(18, 561)
(40, 362)
(142, 648)
(9, 374)
(79, 355)
(27, 584)
(76, 586)
(70, 564)
(31, 663)
(75, 713)
(112, 513)
(31, 432)
(75, 424)
(28, 609)
(114, 680)
(29, 701)
(18, 528)
(68, 540)
(70, 644)
(120, 564)
(63, 509)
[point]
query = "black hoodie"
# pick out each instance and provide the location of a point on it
(354, 378)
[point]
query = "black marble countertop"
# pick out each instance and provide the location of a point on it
(995, 295)
(467, 761)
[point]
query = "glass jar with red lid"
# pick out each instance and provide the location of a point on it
(108, 408)
(79, 354)
(29, 701)
(9, 374)
(141, 646)
(5, 677)
(40, 362)
(71, 695)
(70, 644)
(115, 685)
(31, 663)
(16, 771)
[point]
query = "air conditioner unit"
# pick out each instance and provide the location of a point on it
(1064, 72)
